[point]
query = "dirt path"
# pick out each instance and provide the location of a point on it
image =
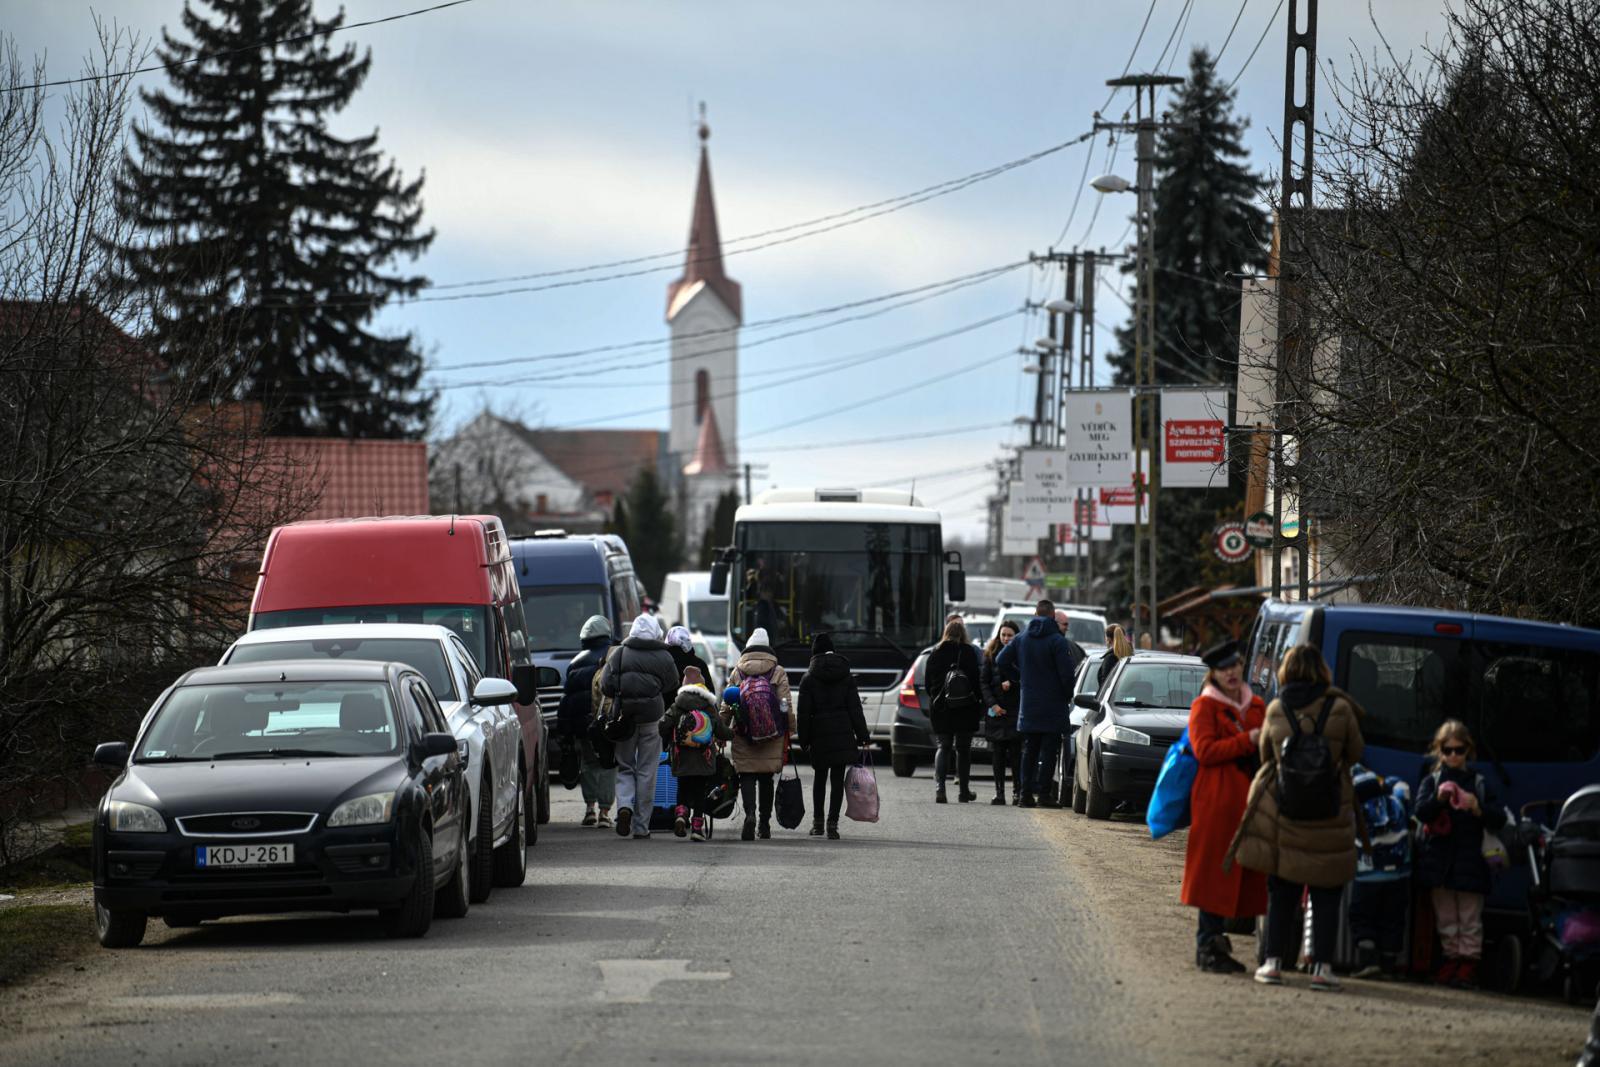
(1199, 1018)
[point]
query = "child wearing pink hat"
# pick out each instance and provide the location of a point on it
(693, 732)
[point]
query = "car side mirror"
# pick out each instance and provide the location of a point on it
(719, 578)
(548, 677)
(1085, 701)
(435, 745)
(112, 754)
(525, 676)
(492, 691)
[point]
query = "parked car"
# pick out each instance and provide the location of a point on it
(448, 570)
(301, 785)
(979, 628)
(686, 600)
(912, 743)
(1128, 727)
(483, 722)
(1086, 683)
(1085, 628)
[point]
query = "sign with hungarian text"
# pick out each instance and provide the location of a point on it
(1044, 492)
(1099, 425)
(1194, 444)
(1117, 502)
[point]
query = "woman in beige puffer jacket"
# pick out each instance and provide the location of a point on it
(758, 761)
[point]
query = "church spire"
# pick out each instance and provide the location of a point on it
(703, 261)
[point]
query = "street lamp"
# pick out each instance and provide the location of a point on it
(1111, 183)
(1047, 344)
(1031, 368)
(1058, 306)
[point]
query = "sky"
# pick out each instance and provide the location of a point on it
(555, 135)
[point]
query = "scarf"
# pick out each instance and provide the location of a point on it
(1239, 706)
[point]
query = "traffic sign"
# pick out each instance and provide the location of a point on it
(1258, 530)
(1230, 543)
(1034, 572)
(1061, 581)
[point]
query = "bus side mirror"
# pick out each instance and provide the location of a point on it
(955, 580)
(719, 578)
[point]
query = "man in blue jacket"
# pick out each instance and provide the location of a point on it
(1042, 660)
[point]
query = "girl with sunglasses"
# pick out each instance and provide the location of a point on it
(1456, 806)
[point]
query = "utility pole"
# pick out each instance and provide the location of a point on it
(1086, 381)
(1299, 126)
(1146, 424)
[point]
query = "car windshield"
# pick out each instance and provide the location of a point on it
(470, 622)
(709, 616)
(1158, 685)
(267, 719)
(1086, 631)
(419, 653)
(979, 631)
(555, 613)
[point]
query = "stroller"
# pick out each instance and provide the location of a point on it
(1565, 899)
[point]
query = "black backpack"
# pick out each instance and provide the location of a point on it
(957, 693)
(1308, 775)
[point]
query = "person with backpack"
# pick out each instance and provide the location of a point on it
(762, 722)
(693, 730)
(1044, 662)
(1224, 731)
(639, 677)
(1299, 825)
(1001, 698)
(1380, 898)
(577, 708)
(832, 729)
(952, 678)
(680, 643)
(1456, 807)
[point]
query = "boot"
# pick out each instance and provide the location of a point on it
(1211, 959)
(833, 831)
(1027, 801)
(938, 794)
(1446, 974)
(698, 833)
(680, 822)
(816, 829)
(966, 796)
(764, 831)
(1466, 975)
(999, 800)
(749, 831)
(1016, 799)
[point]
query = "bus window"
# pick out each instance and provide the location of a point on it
(1406, 685)
(1538, 704)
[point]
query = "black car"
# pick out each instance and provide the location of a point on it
(911, 740)
(292, 786)
(1128, 726)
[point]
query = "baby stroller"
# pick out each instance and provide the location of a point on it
(1565, 899)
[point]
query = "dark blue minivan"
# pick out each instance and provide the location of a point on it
(1529, 691)
(565, 578)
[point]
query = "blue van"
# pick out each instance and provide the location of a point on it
(565, 578)
(1529, 691)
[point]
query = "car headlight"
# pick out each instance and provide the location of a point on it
(130, 818)
(1127, 736)
(364, 811)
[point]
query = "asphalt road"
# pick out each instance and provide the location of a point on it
(942, 934)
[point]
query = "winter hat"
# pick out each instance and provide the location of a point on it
(595, 626)
(645, 626)
(821, 645)
(731, 695)
(758, 636)
(679, 635)
(692, 676)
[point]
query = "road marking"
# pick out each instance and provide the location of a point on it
(204, 1001)
(633, 981)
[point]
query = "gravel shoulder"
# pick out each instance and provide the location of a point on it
(1132, 885)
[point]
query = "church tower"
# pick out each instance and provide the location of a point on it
(704, 311)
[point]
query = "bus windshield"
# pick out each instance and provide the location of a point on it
(871, 585)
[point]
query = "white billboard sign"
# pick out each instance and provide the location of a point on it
(1044, 493)
(1194, 443)
(1117, 504)
(1099, 424)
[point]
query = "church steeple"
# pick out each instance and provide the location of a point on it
(703, 261)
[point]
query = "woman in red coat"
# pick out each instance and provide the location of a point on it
(1224, 733)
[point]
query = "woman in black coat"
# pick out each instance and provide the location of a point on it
(681, 644)
(1001, 698)
(832, 728)
(953, 682)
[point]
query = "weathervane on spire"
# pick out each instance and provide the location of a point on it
(705, 131)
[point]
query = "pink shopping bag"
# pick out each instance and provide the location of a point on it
(861, 792)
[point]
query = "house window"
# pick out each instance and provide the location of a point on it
(542, 505)
(702, 394)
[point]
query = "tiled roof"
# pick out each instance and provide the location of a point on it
(360, 477)
(709, 457)
(602, 461)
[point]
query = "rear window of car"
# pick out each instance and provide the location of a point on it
(260, 720)
(1089, 677)
(427, 657)
(1158, 685)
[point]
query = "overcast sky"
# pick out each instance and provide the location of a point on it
(561, 134)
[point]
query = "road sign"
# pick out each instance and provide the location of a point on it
(1034, 572)
(1258, 530)
(1230, 544)
(1061, 581)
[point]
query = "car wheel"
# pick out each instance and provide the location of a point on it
(542, 808)
(118, 928)
(483, 847)
(1505, 964)
(1080, 799)
(1096, 804)
(511, 858)
(415, 913)
(453, 900)
(904, 765)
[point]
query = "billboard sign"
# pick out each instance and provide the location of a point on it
(1099, 424)
(1194, 443)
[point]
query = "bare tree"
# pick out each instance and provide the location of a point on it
(134, 501)
(1441, 386)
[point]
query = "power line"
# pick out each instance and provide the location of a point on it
(1177, 28)
(1215, 59)
(230, 51)
(955, 431)
(1257, 48)
(1129, 64)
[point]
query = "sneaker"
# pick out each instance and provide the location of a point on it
(641, 835)
(833, 831)
(816, 830)
(588, 817)
(1016, 799)
(624, 821)
(1270, 972)
(1323, 979)
(999, 801)
(749, 831)
(699, 831)
(680, 822)
(603, 820)
(1446, 974)
(1466, 976)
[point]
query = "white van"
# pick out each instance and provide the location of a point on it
(686, 600)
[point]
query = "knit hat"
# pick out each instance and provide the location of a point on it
(679, 635)
(758, 636)
(821, 645)
(692, 676)
(646, 626)
(595, 626)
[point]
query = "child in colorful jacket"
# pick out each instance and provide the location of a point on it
(692, 730)
(1381, 894)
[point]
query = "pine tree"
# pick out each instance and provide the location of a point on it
(255, 216)
(644, 519)
(720, 533)
(1210, 227)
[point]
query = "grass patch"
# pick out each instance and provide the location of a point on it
(36, 936)
(79, 836)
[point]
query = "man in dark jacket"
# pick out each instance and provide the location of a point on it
(598, 780)
(641, 677)
(832, 729)
(1044, 662)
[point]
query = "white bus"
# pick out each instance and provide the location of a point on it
(866, 566)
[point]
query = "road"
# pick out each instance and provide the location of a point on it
(948, 934)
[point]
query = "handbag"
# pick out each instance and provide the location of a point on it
(571, 763)
(861, 791)
(789, 805)
(1169, 805)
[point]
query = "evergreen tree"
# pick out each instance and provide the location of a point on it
(644, 519)
(720, 533)
(1210, 227)
(254, 216)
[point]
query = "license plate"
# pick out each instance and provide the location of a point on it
(209, 856)
(980, 742)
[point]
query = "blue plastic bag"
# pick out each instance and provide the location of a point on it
(1169, 807)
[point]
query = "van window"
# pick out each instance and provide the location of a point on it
(708, 616)
(555, 613)
(1538, 704)
(1262, 674)
(625, 593)
(1406, 685)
